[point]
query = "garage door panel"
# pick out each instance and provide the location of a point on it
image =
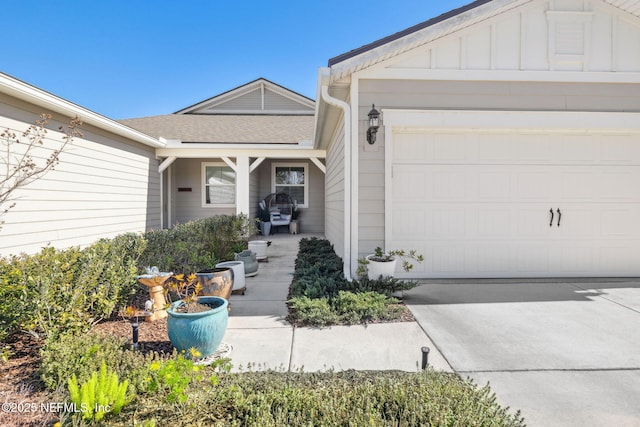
(531, 148)
(411, 147)
(450, 185)
(614, 222)
(531, 221)
(494, 222)
(491, 185)
(449, 222)
(480, 205)
(410, 185)
(620, 185)
(450, 148)
(623, 150)
(575, 149)
(410, 222)
(495, 148)
(578, 185)
(494, 260)
(532, 260)
(534, 185)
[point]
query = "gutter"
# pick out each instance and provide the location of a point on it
(346, 110)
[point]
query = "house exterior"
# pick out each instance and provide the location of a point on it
(105, 184)
(227, 153)
(509, 146)
(509, 143)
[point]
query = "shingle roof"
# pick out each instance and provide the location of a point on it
(410, 30)
(235, 129)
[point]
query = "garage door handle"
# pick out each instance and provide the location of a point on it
(559, 216)
(551, 222)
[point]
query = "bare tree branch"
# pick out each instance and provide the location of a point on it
(17, 157)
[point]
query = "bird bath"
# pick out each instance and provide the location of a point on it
(155, 307)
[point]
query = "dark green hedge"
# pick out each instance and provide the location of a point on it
(320, 295)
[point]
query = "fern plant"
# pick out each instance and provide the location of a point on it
(100, 395)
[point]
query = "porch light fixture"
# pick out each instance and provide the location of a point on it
(374, 124)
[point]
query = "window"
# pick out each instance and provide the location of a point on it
(219, 187)
(293, 179)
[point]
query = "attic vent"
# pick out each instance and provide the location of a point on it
(569, 38)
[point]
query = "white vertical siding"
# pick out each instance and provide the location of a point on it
(104, 185)
(334, 191)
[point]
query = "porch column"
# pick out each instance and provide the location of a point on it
(242, 185)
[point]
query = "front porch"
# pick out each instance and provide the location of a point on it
(203, 186)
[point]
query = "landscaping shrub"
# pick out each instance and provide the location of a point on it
(320, 295)
(328, 399)
(55, 291)
(196, 245)
(102, 394)
(385, 285)
(313, 311)
(108, 270)
(83, 354)
(364, 307)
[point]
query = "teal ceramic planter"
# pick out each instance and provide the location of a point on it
(203, 331)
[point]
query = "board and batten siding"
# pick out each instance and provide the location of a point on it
(104, 185)
(334, 191)
(449, 95)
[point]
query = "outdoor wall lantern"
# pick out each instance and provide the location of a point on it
(374, 124)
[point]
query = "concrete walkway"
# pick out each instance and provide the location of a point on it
(261, 338)
(566, 353)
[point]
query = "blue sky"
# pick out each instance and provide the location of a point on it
(135, 58)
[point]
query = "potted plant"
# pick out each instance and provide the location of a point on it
(265, 220)
(383, 264)
(195, 322)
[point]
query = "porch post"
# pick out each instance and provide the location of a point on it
(242, 185)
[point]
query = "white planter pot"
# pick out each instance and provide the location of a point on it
(238, 272)
(259, 247)
(375, 269)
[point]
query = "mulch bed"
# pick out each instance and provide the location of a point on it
(20, 380)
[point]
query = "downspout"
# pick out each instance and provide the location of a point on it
(347, 176)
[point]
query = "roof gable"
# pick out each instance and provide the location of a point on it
(260, 97)
(536, 35)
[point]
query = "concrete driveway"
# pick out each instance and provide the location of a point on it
(566, 353)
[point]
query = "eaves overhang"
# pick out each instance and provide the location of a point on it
(206, 150)
(342, 66)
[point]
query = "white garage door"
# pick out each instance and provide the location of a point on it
(517, 204)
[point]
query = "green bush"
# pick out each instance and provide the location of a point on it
(55, 291)
(83, 354)
(312, 311)
(385, 285)
(108, 270)
(196, 245)
(16, 298)
(364, 307)
(347, 398)
(100, 395)
(320, 295)
(53, 300)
